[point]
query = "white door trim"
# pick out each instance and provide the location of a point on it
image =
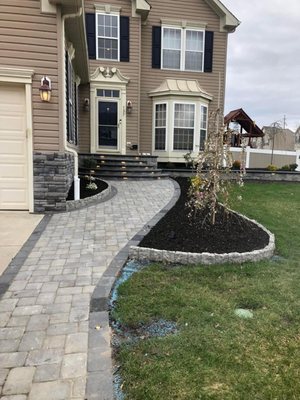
(24, 76)
(108, 78)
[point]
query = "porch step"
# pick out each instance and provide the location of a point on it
(120, 166)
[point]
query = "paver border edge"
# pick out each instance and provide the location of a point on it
(99, 312)
(16, 263)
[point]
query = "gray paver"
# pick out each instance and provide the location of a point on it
(46, 310)
(74, 365)
(56, 390)
(77, 343)
(19, 381)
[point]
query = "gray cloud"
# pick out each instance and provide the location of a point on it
(263, 70)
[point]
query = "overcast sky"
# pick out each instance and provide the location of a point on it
(263, 70)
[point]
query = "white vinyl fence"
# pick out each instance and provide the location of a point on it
(261, 158)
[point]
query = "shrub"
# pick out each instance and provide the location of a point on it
(290, 167)
(236, 164)
(89, 163)
(272, 167)
(293, 167)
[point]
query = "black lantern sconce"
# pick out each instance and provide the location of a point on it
(45, 89)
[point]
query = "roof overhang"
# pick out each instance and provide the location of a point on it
(73, 14)
(180, 87)
(228, 22)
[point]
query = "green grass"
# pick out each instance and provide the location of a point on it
(217, 355)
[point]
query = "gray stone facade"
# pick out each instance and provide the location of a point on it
(52, 176)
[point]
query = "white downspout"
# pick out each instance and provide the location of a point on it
(64, 111)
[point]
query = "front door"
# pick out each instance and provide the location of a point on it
(108, 125)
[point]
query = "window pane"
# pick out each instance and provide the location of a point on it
(202, 139)
(184, 115)
(194, 41)
(160, 126)
(193, 61)
(108, 48)
(171, 59)
(183, 139)
(160, 138)
(171, 48)
(203, 126)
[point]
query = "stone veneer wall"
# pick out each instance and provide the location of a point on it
(53, 175)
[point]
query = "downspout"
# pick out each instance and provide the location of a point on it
(69, 149)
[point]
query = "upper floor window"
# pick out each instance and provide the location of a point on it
(108, 36)
(182, 49)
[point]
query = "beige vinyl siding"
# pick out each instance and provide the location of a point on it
(28, 39)
(191, 10)
(129, 69)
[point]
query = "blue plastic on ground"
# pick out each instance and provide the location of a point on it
(128, 270)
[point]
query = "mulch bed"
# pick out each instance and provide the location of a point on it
(176, 231)
(84, 192)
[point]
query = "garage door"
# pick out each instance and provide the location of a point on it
(13, 150)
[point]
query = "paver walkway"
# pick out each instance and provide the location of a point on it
(44, 314)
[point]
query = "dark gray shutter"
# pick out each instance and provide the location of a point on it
(124, 39)
(208, 51)
(90, 22)
(156, 47)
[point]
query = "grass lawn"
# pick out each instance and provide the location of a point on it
(215, 354)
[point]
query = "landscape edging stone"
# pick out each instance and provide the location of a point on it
(179, 257)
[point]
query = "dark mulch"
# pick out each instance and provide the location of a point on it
(84, 192)
(176, 231)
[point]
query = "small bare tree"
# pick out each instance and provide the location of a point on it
(212, 165)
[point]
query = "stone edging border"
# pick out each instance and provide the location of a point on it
(72, 205)
(179, 257)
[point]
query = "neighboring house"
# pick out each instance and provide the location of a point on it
(127, 77)
(277, 138)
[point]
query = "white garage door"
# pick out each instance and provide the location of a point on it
(13, 150)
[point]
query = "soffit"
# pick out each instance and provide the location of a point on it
(180, 87)
(228, 22)
(73, 12)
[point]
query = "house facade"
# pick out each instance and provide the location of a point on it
(126, 77)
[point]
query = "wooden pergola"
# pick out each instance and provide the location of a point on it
(248, 127)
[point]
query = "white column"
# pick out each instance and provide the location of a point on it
(248, 151)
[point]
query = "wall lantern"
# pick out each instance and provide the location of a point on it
(45, 89)
(129, 106)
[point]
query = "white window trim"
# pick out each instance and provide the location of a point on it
(154, 125)
(183, 47)
(114, 13)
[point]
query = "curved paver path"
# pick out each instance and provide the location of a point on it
(44, 314)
